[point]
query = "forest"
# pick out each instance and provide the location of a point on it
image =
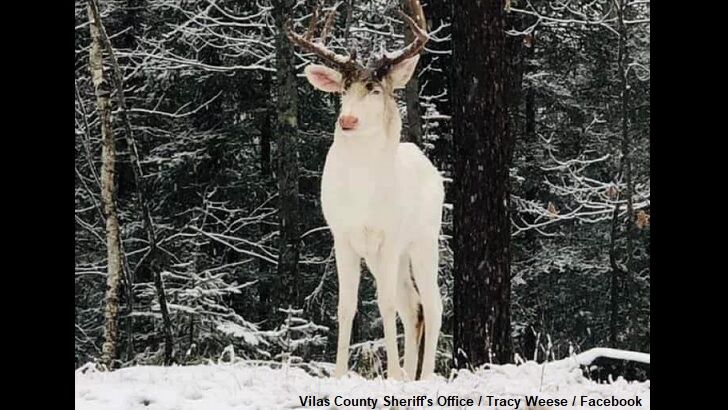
(199, 148)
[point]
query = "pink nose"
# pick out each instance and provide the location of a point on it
(348, 122)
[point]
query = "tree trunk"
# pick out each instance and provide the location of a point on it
(626, 164)
(151, 257)
(108, 194)
(530, 132)
(132, 19)
(626, 143)
(265, 273)
(265, 128)
(614, 280)
(483, 153)
(413, 132)
(287, 130)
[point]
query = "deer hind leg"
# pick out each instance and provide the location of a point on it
(408, 307)
(424, 256)
(348, 268)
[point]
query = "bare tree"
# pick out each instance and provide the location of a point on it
(108, 192)
(152, 254)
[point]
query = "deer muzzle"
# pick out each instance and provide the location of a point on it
(348, 122)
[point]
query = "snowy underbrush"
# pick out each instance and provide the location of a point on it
(255, 385)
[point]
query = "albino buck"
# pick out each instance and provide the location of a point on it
(382, 200)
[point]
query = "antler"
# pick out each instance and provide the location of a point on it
(327, 25)
(419, 29)
(307, 43)
(348, 64)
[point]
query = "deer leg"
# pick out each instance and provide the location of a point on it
(424, 268)
(385, 274)
(408, 307)
(349, 271)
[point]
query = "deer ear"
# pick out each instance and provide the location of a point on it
(323, 78)
(401, 73)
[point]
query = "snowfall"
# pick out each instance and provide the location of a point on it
(246, 385)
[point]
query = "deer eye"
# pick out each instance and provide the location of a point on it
(375, 91)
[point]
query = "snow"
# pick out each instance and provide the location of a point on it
(247, 385)
(589, 356)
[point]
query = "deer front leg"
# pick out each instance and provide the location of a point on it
(386, 277)
(348, 269)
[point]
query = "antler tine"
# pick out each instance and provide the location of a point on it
(419, 14)
(418, 30)
(327, 25)
(319, 49)
(311, 32)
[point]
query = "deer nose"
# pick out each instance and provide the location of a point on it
(348, 122)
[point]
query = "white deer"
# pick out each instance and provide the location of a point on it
(382, 200)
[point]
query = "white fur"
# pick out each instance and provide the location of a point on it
(401, 73)
(382, 200)
(323, 78)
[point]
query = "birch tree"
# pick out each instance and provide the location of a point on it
(108, 193)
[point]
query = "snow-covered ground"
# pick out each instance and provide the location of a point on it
(247, 386)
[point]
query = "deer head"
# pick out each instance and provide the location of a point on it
(367, 92)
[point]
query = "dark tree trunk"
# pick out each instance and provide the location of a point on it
(132, 20)
(529, 54)
(413, 132)
(626, 142)
(166, 320)
(621, 276)
(529, 139)
(266, 116)
(530, 132)
(265, 128)
(287, 130)
(614, 280)
(483, 152)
